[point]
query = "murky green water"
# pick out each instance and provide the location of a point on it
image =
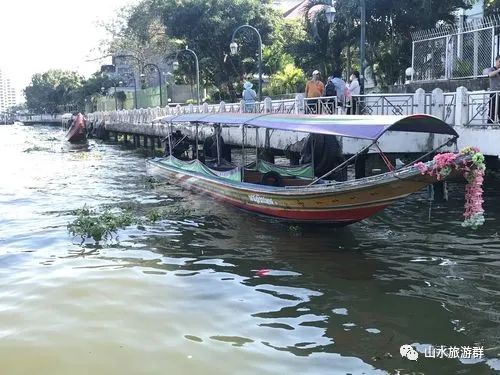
(187, 295)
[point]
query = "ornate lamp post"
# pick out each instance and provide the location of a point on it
(135, 81)
(159, 78)
(330, 17)
(234, 50)
(175, 65)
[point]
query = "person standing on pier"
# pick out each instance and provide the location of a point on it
(494, 74)
(340, 88)
(314, 89)
(354, 89)
(249, 96)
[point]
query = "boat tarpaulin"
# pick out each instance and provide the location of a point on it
(199, 167)
(362, 127)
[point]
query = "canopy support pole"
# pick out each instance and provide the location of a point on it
(256, 145)
(217, 136)
(196, 141)
(385, 158)
(243, 152)
(342, 165)
(312, 152)
(170, 139)
(453, 140)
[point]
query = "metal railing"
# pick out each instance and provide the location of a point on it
(325, 105)
(385, 104)
(483, 108)
(39, 118)
(474, 108)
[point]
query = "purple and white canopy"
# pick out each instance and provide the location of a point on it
(361, 127)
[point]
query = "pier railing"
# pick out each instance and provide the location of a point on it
(474, 108)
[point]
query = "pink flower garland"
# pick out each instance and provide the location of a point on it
(473, 170)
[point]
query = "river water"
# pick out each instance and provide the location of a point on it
(212, 290)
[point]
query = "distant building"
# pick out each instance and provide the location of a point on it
(7, 92)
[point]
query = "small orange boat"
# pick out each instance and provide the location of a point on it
(77, 131)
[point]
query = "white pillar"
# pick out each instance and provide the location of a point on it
(461, 106)
(222, 106)
(419, 98)
(299, 103)
(437, 107)
(268, 105)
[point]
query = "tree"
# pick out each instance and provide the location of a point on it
(207, 27)
(389, 24)
(491, 7)
(54, 91)
(289, 80)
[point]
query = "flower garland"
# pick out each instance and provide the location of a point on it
(473, 170)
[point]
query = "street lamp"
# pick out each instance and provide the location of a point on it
(159, 78)
(330, 14)
(234, 50)
(167, 77)
(133, 74)
(135, 88)
(330, 17)
(175, 65)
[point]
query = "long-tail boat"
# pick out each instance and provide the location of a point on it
(77, 131)
(294, 193)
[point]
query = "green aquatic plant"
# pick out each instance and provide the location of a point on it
(102, 225)
(162, 213)
(98, 226)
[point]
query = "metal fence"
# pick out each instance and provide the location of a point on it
(392, 104)
(469, 108)
(455, 52)
(483, 108)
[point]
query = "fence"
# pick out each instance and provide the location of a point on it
(474, 108)
(455, 52)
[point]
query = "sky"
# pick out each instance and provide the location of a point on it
(37, 35)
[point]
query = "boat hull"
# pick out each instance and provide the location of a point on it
(76, 132)
(340, 203)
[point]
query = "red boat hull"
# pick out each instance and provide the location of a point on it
(76, 132)
(340, 205)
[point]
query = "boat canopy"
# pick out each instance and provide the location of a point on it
(361, 127)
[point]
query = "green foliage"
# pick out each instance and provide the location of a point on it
(491, 7)
(98, 226)
(289, 80)
(54, 91)
(207, 27)
(389, 24)
(103, 225)
(155, 28)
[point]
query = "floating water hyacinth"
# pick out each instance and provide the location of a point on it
(472, 169)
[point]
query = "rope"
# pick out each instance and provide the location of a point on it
(385, 159)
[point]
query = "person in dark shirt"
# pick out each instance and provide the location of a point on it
(494, 74)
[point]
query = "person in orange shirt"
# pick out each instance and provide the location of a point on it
(314, 89)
